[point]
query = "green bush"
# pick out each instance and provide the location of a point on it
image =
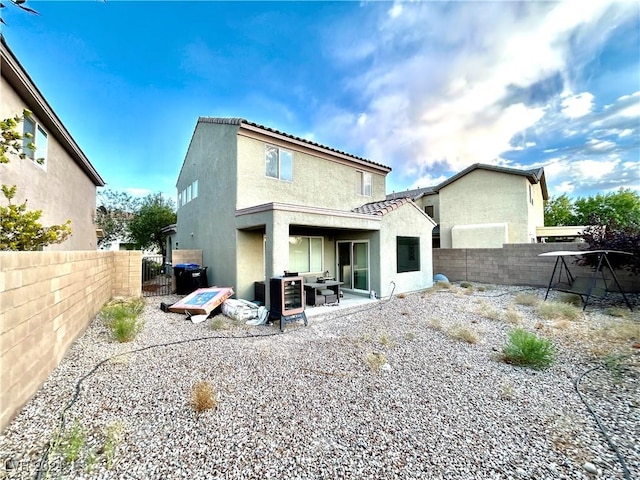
(526, 349)
(121, 318)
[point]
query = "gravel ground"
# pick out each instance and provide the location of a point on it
(311, 402)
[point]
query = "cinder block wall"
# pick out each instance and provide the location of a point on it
(47, 299)
(514, 264)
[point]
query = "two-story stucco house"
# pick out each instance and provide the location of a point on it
(260, 202)
(484, 206)
(64, 185)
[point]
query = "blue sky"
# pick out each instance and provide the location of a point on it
(427, 88)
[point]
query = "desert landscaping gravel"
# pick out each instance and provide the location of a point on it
(392, 389)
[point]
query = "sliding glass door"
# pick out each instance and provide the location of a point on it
(353, 265)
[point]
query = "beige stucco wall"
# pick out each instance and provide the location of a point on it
(230, 170)
(536, 212)
(317, 181)
(208, 221)
(482, 197)
(488, 235)
(406, 221)
(432, 200)
(61, 189)
(47, 299)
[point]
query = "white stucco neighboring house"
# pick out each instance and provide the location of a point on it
(484, 206)
(260, 202)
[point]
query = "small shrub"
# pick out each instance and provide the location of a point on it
(558, 311)
(376, 360)
(402, 295)
(72, 443)
(203, 396)
(571, 299)
(466, 285)
(511, 315)
(410, 336)
(385, 340)
(527, 349)
(219, 324)
(121, 317)
(438, 286)
(114, 437)
(527, 299)
(617, 364)
(481, 288)
(617, 312)
(486, 311)
(464, 334)
(506, 391)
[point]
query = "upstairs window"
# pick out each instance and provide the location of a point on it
(429, 210)
(279, 163)
(530, 194)
(408, 254)
(188, 194)
(34, 142)
(363, 183)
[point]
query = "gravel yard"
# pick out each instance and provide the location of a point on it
(407, 387)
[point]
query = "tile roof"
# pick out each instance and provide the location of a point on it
(534, 176)
(381, 208)
(239, 121)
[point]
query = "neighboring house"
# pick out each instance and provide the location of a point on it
(64, 186)
(260, 202)
(484, 206)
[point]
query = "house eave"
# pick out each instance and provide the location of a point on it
(285, 207)
(15, 74)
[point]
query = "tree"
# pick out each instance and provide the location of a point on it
(612, 237)
(558, 211)
(19, 227)
(115, 211)
(621, 208)
(154, 214)
(21, 5)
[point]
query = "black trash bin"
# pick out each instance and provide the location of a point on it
(189, 277)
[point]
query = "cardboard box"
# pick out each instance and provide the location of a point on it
(202, 301)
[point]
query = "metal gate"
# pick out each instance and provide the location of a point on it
(156, 276)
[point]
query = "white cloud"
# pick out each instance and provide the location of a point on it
(396, 10)
(138, 192)
(434, 85)
(595, 169)
(564, 187)
(576, 106)
(600, 145)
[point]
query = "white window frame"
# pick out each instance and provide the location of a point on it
(279, 153)
(188, 194)
(38, 133)
(310, 251)
(364, 183)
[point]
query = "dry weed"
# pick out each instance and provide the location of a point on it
(203, 396)
(376, 360)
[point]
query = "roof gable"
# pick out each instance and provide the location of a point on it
(534, 176)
